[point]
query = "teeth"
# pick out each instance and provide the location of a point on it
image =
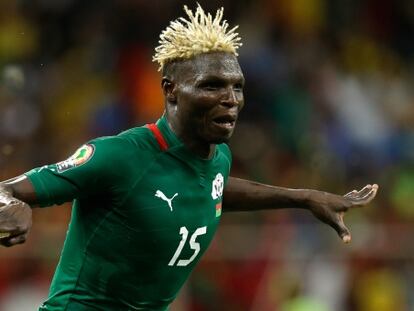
(224, 119)
(225, 124)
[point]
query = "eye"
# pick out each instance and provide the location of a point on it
(210, 85)
(238, 87)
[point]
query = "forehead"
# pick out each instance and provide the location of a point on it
(217, 64)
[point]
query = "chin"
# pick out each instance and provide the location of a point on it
(216, 136)
(220, 140)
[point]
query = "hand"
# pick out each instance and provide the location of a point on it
(15, 219)
(331, 208)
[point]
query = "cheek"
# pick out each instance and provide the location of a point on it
(241, 105)
(189, 111)
(240, 97)
(196, 102)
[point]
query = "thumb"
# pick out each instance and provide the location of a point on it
(342, 230)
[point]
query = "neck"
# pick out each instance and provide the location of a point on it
(198, 147)
(204, 151)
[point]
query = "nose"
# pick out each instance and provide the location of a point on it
(230, 98)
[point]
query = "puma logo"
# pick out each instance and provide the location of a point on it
(162, 196)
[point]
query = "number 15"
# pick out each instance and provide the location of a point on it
(193, 245)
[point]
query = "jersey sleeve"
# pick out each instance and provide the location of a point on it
(89, 171)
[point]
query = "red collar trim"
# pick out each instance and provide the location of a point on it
(158, 136)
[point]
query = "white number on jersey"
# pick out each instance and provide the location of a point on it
(193, 245)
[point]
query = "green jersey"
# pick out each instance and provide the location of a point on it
(145, 210)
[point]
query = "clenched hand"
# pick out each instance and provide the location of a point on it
(15, 219)
(331, 208)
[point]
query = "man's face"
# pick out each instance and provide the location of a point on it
(209, 96)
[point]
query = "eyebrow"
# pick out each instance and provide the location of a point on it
(214, 77)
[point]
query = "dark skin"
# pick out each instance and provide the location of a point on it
(203, 97)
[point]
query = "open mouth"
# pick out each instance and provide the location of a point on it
(226, 121)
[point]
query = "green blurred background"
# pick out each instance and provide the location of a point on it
(329, 105)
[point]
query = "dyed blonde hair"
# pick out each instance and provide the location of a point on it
(200, 33)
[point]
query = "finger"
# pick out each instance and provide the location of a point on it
(363, 200)
(342, 230)
(13, 237)
(9, 242)
(4, 235)
(358, 193)
(363, 192)
(18, 239)
(6, 242)
(12, 229)
(353, 192)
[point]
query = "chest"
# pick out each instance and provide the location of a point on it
(172, 194)
(173, 208)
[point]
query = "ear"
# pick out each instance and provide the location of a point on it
(169, 88)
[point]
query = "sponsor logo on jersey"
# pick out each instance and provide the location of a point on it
(162, 196)
(80, 157)
(217, 187)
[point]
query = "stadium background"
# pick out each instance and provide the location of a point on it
(329, 105)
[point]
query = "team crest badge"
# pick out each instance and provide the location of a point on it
(80, 157)
(217, 187)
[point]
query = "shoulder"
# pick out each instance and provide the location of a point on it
(123, 153)
(109, 147)
(132, 140)
(141, 138)
(136, 145)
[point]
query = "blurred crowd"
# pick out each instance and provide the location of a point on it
(329, 105)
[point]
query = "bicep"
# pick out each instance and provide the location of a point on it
(234, 193)
(236, 186)
(229, 187)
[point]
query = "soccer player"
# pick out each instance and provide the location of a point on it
(147, 202)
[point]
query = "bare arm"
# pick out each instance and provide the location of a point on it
(245, 195)
(16, 196)
(21, 188)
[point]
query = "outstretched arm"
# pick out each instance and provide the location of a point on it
(15, 213)
(245, 195)
(21, 188)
